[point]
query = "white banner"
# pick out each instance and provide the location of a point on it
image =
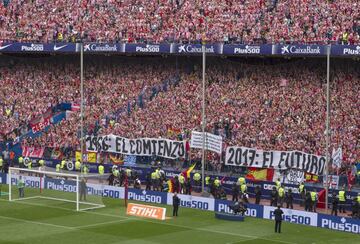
(337, 157)
(250, 157)
(189, 201)
(142, 146)
(212, 142)
(292, 216)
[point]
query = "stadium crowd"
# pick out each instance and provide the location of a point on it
(271, 107)
(245, 21)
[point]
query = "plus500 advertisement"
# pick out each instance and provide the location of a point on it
(339, 223)
(189, 201)
(30, 181)
(147, 196)
(253, 210)
(292, 216)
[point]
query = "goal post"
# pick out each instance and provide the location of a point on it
(63, 190)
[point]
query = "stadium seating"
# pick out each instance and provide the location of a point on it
(273, 107)
(267, 21)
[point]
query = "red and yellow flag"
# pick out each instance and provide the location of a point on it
(260, 174)
(170, 185)
(186, 173)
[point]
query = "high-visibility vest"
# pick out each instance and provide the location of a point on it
(243, 188)
(63, 163)
(281, 192)
(342, 196)
(128, 172)
(41, 162)
(241, 181)
(29, 165)
(1, 162)
(313, 196)
(101, 169)
(207, 180)
(85, 170)
(116, 172)
(21, 160)
(181, 179)
(217, 182)
(77, 165)
(58, 168)
(278, 184)
(301, 188)
(358, 199)
(197, 177)
(153, 175)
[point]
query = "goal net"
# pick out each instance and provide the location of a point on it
(60, 190)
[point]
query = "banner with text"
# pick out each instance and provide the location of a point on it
(141, 146)
(250, 157)
(212, 142)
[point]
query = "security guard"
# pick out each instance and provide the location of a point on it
(217, 182)
(278, 184)
(62, 164)
(85, 169)
(101, 169)
(302, 193)
(207, 183)
(77, 165)
(21, 162)
(1, 164)
(241, 181)
(30, 164)
(182, 183)
(243, 188)
(154, 181)
(342, 200)
(58, 167)
(313, 195)
(197, 178)
(41, 162)
(281, 194)
(128, 173)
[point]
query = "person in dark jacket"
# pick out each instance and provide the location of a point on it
(257, 195)
(188, 187)
(308, 201)
(289, 199)
(278, 218)
(176, 203)
(274, 197)
(235, 192)
(335, 204)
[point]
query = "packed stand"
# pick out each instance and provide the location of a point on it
(269, 21)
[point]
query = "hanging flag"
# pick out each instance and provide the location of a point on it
(337, 157)
(116, 160)
(186, 173)
(170, 186)
(260, 174)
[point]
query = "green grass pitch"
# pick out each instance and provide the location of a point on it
(48, 221)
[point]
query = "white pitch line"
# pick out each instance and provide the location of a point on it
(103, 223)
(37, 222)
(162, 223)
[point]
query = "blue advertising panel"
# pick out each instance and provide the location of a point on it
(102, 47)
(253, 210)
(37, 47)
(348, 50)
(299, 50)
(147, 48)
(339, 223)
(60, 185)
(243, 49)
(196, 48)
(147, 196)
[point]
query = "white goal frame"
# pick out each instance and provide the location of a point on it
(56, 174)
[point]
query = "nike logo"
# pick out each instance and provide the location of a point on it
(3, 47)
(58, 48)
